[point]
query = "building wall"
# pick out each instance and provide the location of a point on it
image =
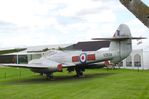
(8, 59)
(138, 59)
(33, 56)
(146, 59)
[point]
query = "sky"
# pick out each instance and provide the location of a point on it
(47, 22)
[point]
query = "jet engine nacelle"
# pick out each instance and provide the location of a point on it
(52, 66)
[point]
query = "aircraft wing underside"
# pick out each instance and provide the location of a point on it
(25, 65)
(64, 65)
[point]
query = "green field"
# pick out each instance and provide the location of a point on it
(97, 84)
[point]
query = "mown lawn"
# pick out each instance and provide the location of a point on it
(97, 84)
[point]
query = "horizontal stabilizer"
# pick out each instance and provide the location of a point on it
(118, 38)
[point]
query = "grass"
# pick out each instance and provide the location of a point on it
(97, 84)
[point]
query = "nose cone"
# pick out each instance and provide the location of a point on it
(123, 31)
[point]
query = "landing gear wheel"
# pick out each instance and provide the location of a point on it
(79, 72)
(50, 76)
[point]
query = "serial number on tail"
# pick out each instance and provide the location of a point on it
(107, 54)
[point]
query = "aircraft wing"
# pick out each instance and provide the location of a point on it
(139, 9)
(41, 64)
(25, 65)
(65, 65)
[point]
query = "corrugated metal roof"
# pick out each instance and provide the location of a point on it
(89, 45)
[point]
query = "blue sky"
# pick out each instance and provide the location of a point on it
(45, 22)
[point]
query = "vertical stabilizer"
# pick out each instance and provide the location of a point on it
(121, 47)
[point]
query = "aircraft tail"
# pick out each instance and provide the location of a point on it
(123, 46)
(121, 43)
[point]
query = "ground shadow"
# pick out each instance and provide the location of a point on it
(57, 79)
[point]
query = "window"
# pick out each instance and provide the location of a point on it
(137, 60)
(120, 64)
(128, 61)
(22, 59)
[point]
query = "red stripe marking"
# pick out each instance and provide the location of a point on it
(75, 58)
(59, 67)
(106, 62)
(91, 57)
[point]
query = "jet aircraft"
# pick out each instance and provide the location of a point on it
(55, 61)
(139, 9)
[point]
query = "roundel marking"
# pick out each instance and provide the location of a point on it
(83, 57)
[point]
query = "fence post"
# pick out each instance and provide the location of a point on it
(5, 75)
(20, 74)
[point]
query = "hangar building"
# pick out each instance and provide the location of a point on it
(137, 60)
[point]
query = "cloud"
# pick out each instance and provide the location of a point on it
(42, 22)
(138, 29)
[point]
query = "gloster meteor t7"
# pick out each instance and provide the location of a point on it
(55, 61)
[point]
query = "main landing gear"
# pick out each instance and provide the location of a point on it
(50, 76)
(79, 71)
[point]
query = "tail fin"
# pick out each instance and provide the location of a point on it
(121, 44)
(139, 9)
